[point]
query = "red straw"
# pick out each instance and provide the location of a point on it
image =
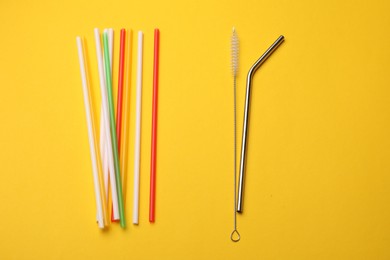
(120, 96)
(152, 201)
(120, 87)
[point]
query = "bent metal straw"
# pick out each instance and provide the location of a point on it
(251, 72)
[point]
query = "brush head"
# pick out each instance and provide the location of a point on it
(234, 52)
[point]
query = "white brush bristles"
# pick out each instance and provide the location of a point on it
(234, 46)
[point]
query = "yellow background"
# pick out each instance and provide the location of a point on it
(318, 159)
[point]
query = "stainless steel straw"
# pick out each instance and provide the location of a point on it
(252, 71)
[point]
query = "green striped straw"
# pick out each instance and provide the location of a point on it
(113, 131)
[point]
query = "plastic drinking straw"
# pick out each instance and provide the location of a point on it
(120, 95)
(137, 130)
(103, 149)
(104, 153)
(103, 144)
(152, 198)
(110, 33)
(114, 142)
(108, 174)
(96, 168)
(99, 162)
(106, 122)
(120, 86)
(126, 108)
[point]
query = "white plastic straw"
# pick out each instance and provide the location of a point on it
(103, 143)
(103, 151)
(137, 129)
(103, 156)
(90, 133)
(108, 142)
